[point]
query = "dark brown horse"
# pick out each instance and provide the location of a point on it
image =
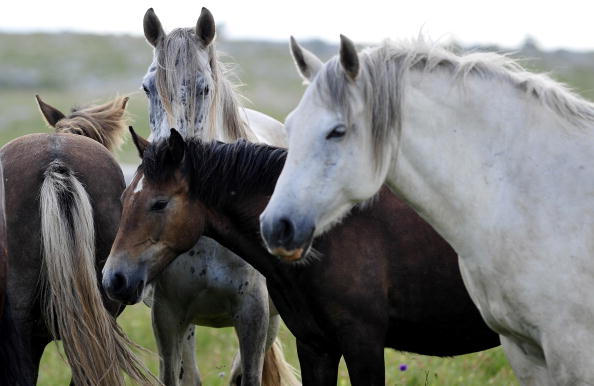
(381, 283)
(62, 212)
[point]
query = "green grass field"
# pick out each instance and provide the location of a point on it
(69, 69)
(215, 349)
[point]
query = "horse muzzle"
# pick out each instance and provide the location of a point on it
(286, 239)
(125, 286)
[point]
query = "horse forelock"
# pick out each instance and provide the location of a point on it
(381, 93)
(181, 59)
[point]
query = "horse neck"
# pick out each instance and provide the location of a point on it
(236, 227)
(484, 155)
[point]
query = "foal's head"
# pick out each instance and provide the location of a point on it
(104, 123)
(180, 81)
(158, 222)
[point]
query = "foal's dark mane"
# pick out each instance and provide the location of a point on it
(218, 172)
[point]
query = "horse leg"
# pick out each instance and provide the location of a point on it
(528, 372)
(16, 355)
(191, 375)
(364, 355)
(235, 378)
(318, 367)
(30, 358)
(169, 330)
(29, 344)
(251, 326)
(273, 327)
(32, 363)
(563, 356)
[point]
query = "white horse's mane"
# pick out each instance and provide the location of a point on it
(553, 94)
(383, 69)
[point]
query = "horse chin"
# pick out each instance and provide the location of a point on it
(129, 298)
(294, 255)
(135, 296)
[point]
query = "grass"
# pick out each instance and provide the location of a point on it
(215, 349)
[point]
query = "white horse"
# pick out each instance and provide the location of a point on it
(187, 89)
(497, 159)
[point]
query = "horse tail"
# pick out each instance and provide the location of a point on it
(277, 371)
(11, 352)
(96, 348)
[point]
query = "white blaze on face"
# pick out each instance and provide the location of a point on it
(138, 187)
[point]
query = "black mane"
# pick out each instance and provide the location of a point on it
(218, 171)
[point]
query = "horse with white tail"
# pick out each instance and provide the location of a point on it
(62, 212)
(188, 88)
(497, 159)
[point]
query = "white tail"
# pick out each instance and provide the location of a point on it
(277, 371)
(95, 347)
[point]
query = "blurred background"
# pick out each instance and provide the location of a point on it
(75, 54)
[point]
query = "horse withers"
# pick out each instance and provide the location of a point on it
(375, 281)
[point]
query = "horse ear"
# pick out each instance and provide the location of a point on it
(348, 57)
(176, 147)
(205, 27)
(140, 143)
(125, 102)
(51, 114)
(307, 63)
(153, 30)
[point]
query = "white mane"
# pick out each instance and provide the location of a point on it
(384, 68)
(427, 56)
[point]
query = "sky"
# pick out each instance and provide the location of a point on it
(507, 23)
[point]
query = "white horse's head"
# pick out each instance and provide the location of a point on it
(339, 150)
(181, 78)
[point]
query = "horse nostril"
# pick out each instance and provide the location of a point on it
(118, 283)
(286, 231)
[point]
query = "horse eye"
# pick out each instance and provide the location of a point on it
(337, 132)
(146, 90)
(159, 205)
(205, 91)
